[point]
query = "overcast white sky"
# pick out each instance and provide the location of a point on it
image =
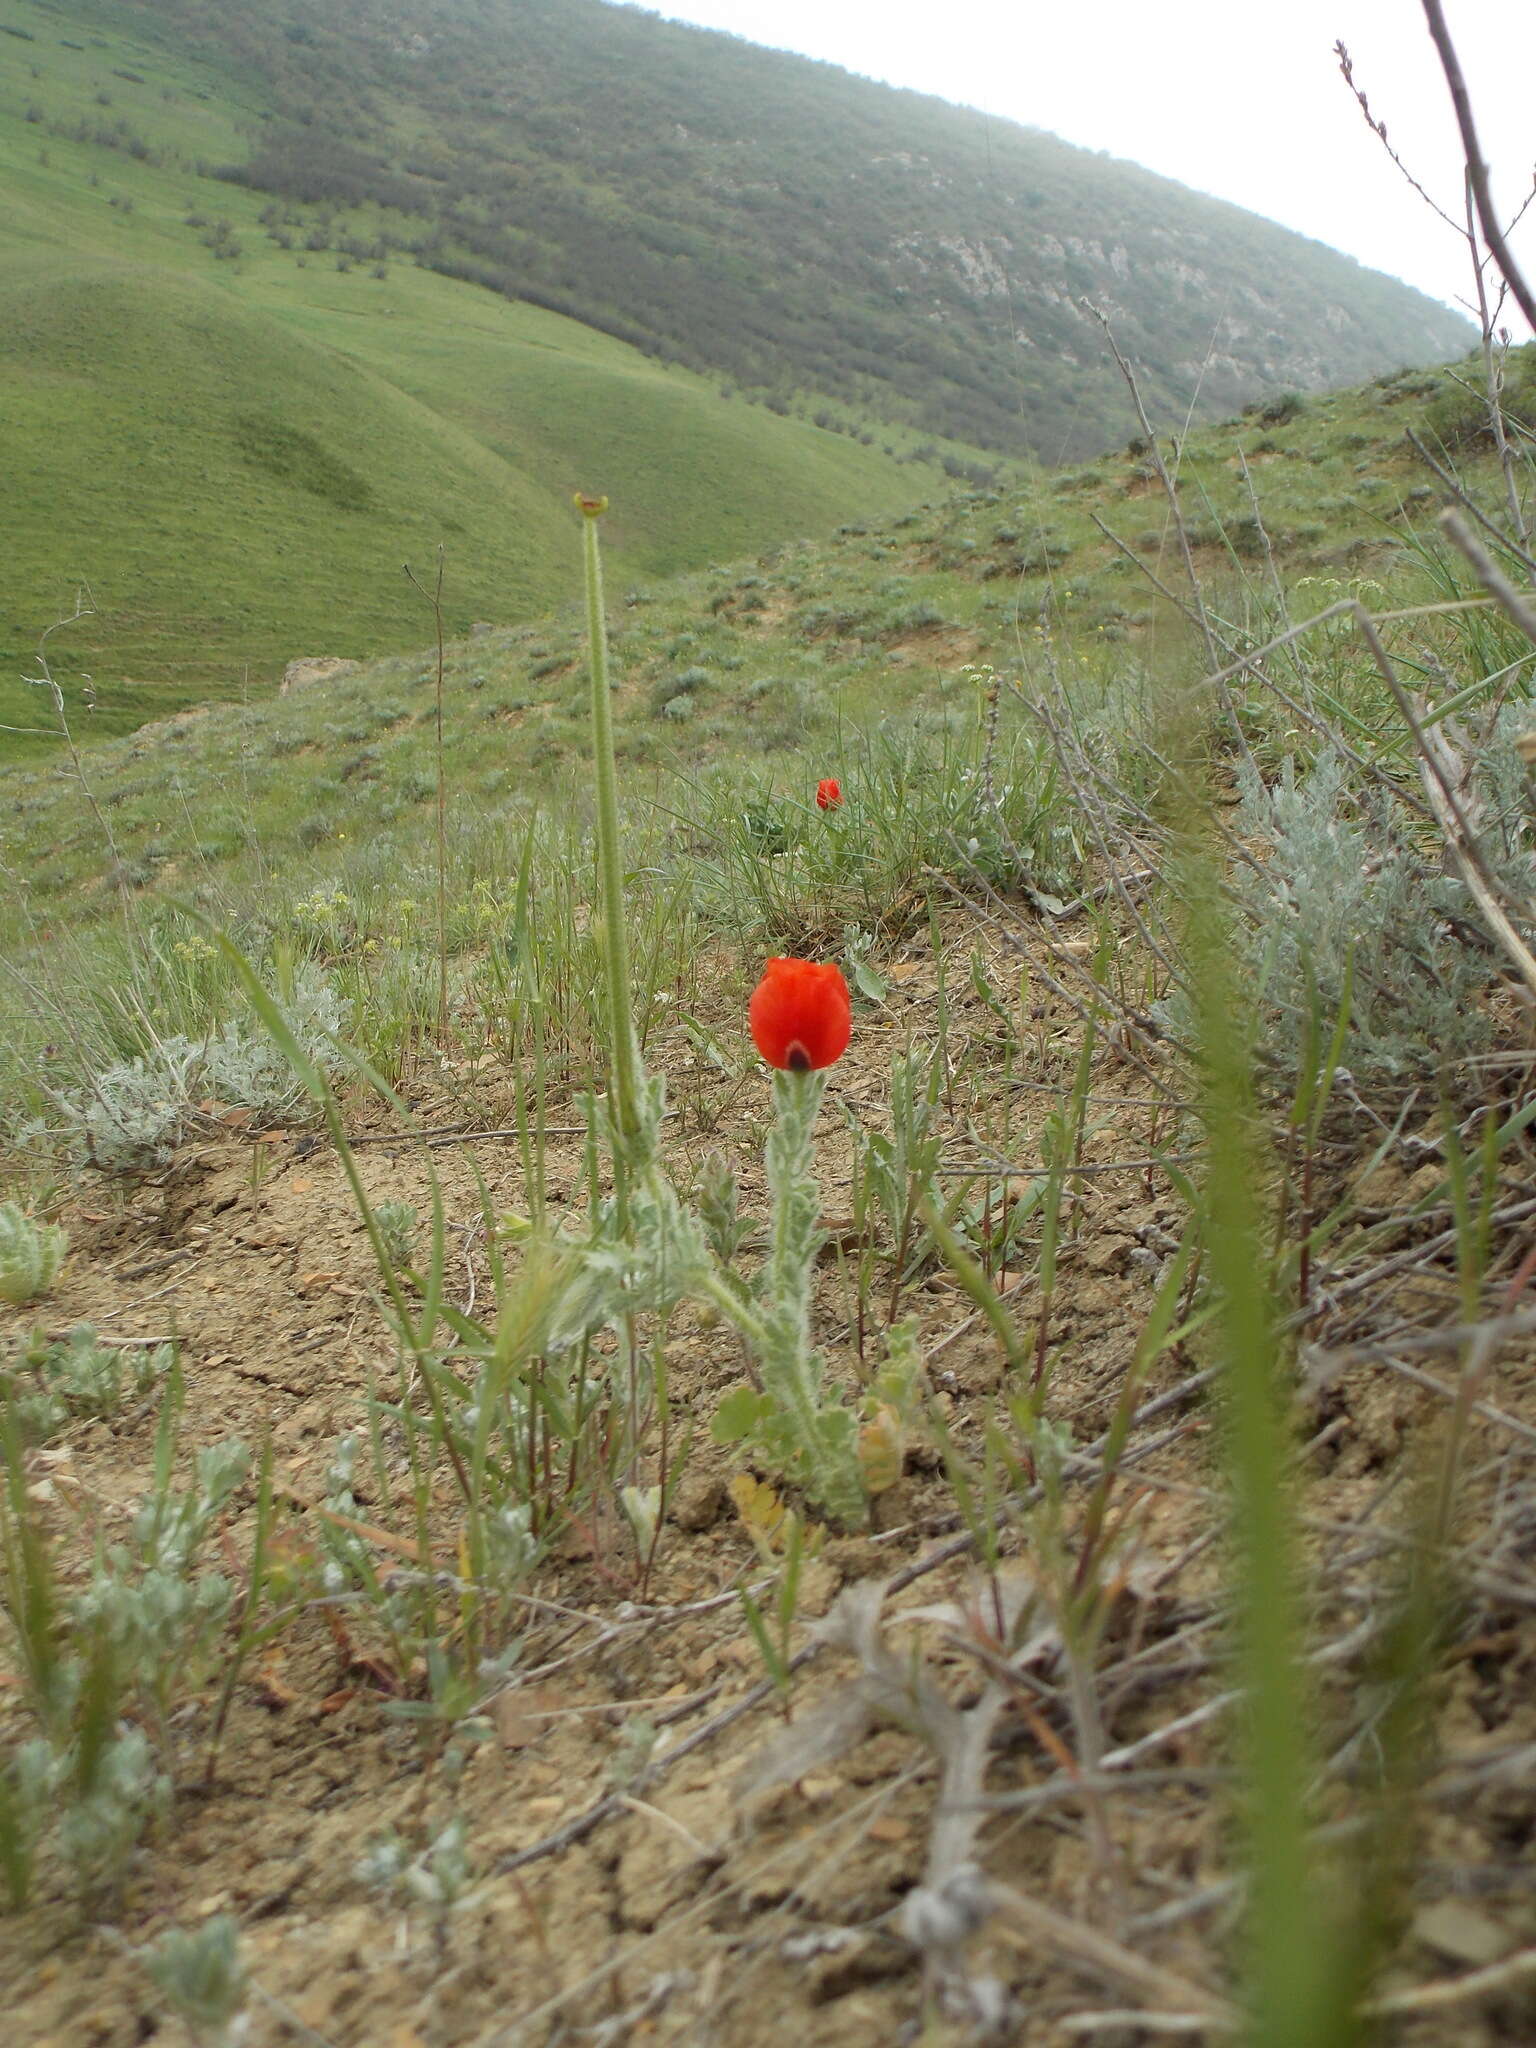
(1241, 98)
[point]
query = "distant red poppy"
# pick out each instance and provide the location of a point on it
(829, 793)
(801, 1015)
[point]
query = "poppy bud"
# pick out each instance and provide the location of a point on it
(801, 1015)
(829, 794)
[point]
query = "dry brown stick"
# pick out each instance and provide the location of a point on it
(469, 1132)
(1450, 1338)
(1012, 939)
(1466, 502)
(995, 1166)
(1097, 1097)
(1137, 879)
(1511, 1212)
(1351, 606)
(1163, 590)
(1372, 770)
(583, 1824)
(1456, 1990)
(1492, 577)
(1029, 1923)
(1330, 1653)
(1225, 1889)
(1142, 2019)
(157, 1265)
(1431, 1385)
(1379, 130)
(1463, 847)
(1170, 488)
(1477, 169)
(1098, 818)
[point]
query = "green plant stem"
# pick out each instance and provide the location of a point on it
(823, 1436)
(626, 1086)
(1293, 1976)
(796, 1102)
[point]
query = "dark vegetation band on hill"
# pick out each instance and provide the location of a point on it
(780, 221)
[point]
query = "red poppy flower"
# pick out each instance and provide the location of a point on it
(801, 1015)
(828, 794)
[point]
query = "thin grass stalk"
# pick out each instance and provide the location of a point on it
(624, 1049)
(1292, 1976)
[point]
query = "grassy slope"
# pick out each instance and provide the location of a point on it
(787, 224)
(778, 657)
(238, 456)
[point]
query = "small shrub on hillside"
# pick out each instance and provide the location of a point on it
(133, 1114)
(1505, 811)
(921, 617)
(1279, 412)
(244, 1068)
(1459, 417)
(672, 693)
(784, 712)
(823, 621)
(1344, 905)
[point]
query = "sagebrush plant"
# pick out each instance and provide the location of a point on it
(51, 1381)
(1344, 899)
(200, 1974)
(104, 1671)
(398, 1226)
(87, 1782)
(130, 1116)
(439, 1877)
(31, 1255)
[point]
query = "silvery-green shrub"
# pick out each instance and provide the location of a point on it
(132, 1115)
(1343, 901)
(31, 1254)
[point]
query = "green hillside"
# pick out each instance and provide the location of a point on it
(813, 235)
(235, 446)
(774, 661)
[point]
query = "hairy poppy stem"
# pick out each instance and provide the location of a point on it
(624, 1050)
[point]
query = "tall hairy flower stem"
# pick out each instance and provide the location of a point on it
(812, 1439)
(796, 1238)
(791, 1367)
(625, 1050)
